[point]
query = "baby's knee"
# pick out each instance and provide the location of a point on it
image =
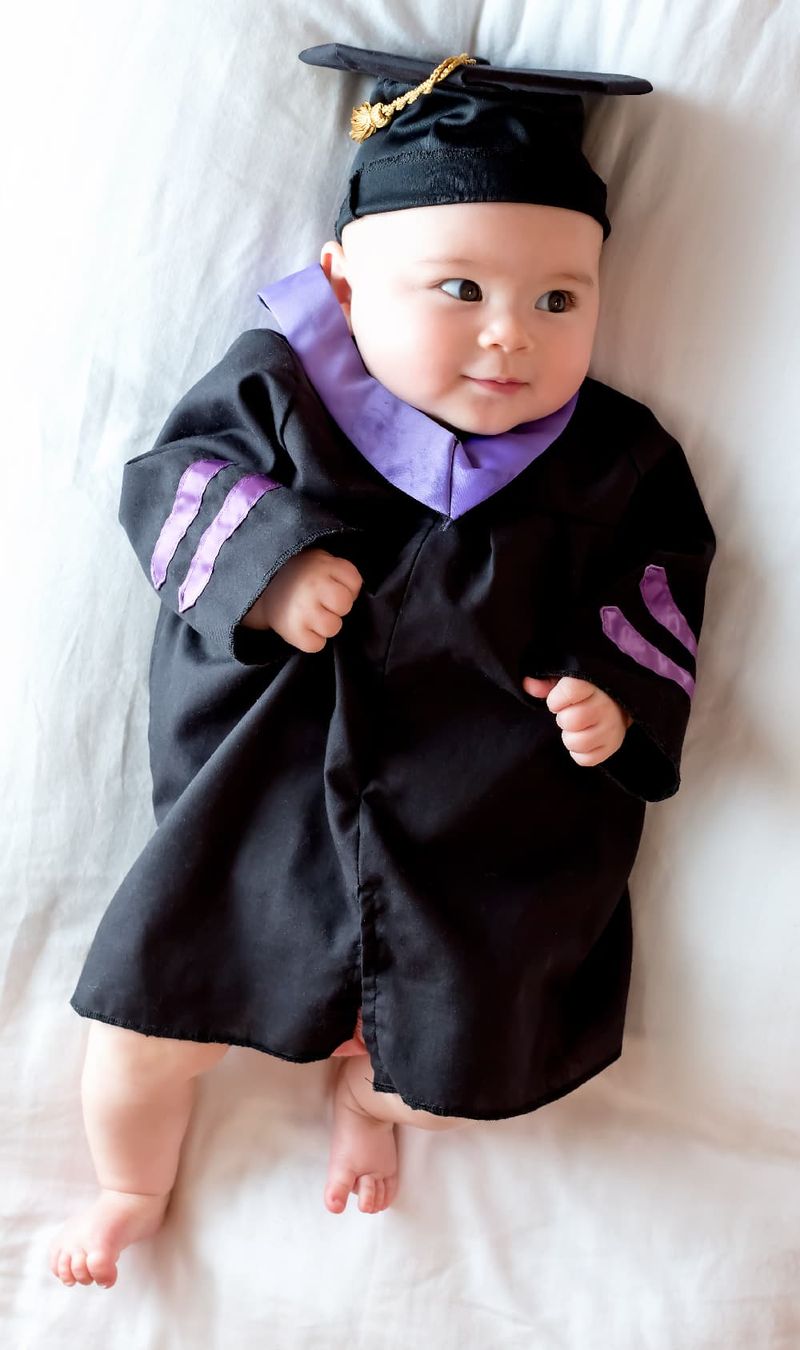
(113, 1051)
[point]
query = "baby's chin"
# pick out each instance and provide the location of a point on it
(489, 417)
(485, 423)
(484, 429)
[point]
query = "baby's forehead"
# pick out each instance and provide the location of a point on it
(497, 235)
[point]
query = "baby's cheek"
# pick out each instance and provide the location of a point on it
(380, 363)
(410, 376)
(565, 381)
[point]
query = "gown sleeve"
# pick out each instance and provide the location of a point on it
(227, 494)
(634, 629)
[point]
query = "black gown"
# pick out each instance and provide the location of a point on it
(392, 823)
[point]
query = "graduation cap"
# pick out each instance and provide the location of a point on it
(462, 130)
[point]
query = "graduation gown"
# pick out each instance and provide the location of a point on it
(392, 823)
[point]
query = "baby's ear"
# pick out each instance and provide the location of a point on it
(332, 261)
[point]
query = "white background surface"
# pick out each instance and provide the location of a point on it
(163, 160)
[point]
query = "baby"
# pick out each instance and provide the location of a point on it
(431, 606)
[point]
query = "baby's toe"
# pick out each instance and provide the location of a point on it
(389, 1191)
(338, 1190)
(80, 1270)
(102, 1268)
(370, 1193)
(64, 1267)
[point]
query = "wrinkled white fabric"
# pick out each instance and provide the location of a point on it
(164, 160)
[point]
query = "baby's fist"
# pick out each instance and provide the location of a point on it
(306, 599)
(592, 725)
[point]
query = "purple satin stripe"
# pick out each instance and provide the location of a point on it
(185, 507)
(659, 600)
(410, 449)
(239, 502)
(630, 641)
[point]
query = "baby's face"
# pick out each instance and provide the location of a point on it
(480, 314)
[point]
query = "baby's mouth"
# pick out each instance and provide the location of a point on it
(500, 385)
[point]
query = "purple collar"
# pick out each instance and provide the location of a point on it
(413, 452)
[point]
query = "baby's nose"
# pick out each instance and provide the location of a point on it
(505, 331)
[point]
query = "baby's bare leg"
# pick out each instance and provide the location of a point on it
(363, 1155)
(137, 1098)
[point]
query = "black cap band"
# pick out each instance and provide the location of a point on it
(459, 175)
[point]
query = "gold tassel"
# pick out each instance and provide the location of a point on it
(368, 118)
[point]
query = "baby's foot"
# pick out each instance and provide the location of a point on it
(87, 1247)
(363, 1151)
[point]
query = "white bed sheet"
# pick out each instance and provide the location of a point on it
(164, 160)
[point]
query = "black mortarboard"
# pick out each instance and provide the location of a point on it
(475, 133)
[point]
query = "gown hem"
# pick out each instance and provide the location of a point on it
(206, 1038)
(542, 1099)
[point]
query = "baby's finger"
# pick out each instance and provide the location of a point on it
(335, 596)
(569, 690)
(585, 742)
(588, 760)
(324, 623)
(579, 716)
(538, 688)
(308, 641)
(341, 569)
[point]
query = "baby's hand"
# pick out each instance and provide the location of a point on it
(306, 598)
(593, 725)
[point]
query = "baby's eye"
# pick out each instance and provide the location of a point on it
(555, 302)
(461, 289)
